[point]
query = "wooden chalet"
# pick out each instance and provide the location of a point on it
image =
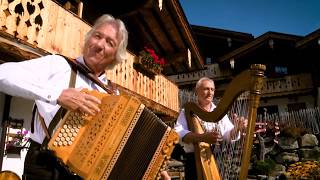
(213, 44)
(289, 81)
(292, 76)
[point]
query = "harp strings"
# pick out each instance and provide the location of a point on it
(229, 153)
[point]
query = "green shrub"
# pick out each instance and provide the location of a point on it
(263, 167)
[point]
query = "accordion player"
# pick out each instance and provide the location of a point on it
(125, 140)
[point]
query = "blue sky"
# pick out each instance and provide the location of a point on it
(297, 17)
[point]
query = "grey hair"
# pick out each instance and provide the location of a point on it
(121, 54)
(198, 84)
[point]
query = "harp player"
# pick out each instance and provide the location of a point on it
(214, 132)
(46, 81)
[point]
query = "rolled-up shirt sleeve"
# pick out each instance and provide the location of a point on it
(226, 127)
(181, 127)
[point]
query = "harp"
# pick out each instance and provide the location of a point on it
(125, 140)
(242, 97)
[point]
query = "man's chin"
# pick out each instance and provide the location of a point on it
(95, 59)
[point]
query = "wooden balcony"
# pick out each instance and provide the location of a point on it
(161, 92)
(34, 28)
(43, 24)
(300, 83)
(212, 71)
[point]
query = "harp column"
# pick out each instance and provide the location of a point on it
(257, 75)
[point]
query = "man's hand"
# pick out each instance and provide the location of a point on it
(208, 137)
(240, 123)
(165, 175)
(73, 99)
(211, 137)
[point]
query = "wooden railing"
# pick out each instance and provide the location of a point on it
(48, 26)
(44, 24)
(287, 84)
(211, 71)
(157, 88)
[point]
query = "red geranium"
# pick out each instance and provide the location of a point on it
(151, 59)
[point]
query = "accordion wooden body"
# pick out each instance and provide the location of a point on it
(125, 140)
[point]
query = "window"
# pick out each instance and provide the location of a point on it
(208, 60)
(281, 70)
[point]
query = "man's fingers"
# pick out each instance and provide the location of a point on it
(92, 102)
(92, 105)
(86, 109)
(74, 99)
(92, 99)
(234, 116)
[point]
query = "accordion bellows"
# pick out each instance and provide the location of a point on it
(125, 140)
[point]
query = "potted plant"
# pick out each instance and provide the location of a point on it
(18, 142)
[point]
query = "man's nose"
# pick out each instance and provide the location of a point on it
(100, 44)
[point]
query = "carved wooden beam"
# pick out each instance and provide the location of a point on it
(17, 48)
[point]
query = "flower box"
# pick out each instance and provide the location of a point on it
(14, 150)
(145, 67)
(149, 62)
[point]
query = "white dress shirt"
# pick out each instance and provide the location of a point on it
(42, 80)
(182, 129)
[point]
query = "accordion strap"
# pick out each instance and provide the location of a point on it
(109, 88)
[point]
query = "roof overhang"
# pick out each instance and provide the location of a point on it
(161, 24)
(267, 41)
(311, 40)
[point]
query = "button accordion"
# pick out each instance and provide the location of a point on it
(125, 140)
